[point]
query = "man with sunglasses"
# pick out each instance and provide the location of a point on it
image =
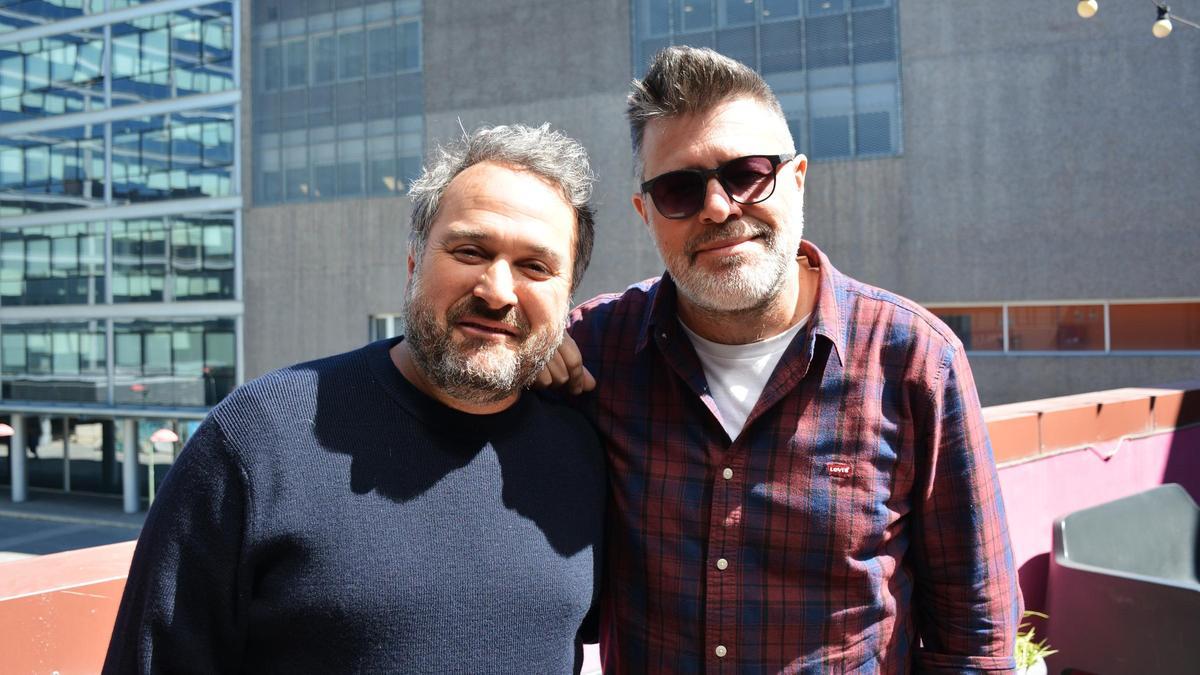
(800, 476)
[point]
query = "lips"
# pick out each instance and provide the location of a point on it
(728, 236)
(719, 246)
(477, 324)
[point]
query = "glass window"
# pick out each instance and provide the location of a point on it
(324, 59)
(1056, 328)
(297, 63)
(979, 328)
(408, 47)
(53, 361)
(379, 41)
(695, 14)
(171, 156)
(272, 67)
(821, 57)
(350, 55)
(1155, 326)
(177, 258)
(383, 326)
(183, 362)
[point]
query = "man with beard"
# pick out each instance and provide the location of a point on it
(402, 507)
(800, 476)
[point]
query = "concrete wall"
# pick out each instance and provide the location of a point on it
(1044, 157)
(534, 61)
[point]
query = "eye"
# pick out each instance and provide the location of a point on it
(468, 254)
(538, 269)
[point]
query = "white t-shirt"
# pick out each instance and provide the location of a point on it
(736, 374)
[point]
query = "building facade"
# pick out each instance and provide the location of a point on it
(120, 216)
(1028, 175)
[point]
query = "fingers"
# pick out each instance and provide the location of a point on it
(586, 381)
(566, 370)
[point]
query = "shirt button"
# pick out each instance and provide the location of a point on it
(727, 473)
(720, 651)
(722, 563)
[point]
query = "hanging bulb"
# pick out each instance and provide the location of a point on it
(1162, 27)
(1087, 8)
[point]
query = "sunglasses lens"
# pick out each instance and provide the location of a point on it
(749, 179)
(678, 194)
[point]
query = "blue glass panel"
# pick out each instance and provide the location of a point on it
(189, 363)
(53, 361)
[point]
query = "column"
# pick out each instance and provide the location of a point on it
(66, 442)
(20, 477)
(129, 477)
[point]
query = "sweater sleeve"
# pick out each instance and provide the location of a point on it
(183, 608)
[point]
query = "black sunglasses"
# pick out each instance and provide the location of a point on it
(746, 180)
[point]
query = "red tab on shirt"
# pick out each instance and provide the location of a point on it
(839, 469)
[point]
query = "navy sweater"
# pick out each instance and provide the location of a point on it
(329, 517)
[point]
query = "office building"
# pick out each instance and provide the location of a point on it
(222, 184)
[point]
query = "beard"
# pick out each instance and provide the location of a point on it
(742, 282)
(474, 369)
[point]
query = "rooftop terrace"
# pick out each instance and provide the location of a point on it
(1055, 456)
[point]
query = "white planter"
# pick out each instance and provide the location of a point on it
(1038, 668)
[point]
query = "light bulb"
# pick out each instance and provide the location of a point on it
(1162, 27)
(1087, 8)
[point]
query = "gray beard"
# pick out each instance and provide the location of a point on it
(732, 291)
(451, 368)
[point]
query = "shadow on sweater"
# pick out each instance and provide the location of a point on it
(402, 443)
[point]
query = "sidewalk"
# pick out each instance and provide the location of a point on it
(50, 522)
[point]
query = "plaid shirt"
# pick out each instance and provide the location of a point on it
(856, 517)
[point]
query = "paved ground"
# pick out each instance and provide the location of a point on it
(50, 522)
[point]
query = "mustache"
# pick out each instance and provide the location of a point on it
(475, 307)
(730, 229)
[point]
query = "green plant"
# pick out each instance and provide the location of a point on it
(1028, 650)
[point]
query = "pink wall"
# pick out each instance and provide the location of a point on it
(1043, 488)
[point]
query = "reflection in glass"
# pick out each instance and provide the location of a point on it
(1056, 328)
(187, 363)
(338, 102)
(1165, 326)
(171, 259)
(52, 265)
(53, 361)
(180, 155)
(173, 54)
(51, 76)
(51, 170)
(805, 50)
(979, 328)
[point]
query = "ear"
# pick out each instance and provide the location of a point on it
(412, 264)
(639, 205)
(801, 164)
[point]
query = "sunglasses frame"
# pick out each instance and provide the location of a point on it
(705, 174)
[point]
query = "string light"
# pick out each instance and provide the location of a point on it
(1162, 26)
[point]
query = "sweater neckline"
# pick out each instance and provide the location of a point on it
(425, 408)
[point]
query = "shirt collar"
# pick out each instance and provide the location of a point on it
(826, 318)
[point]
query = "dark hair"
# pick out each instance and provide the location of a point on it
(549, 154)
(686, 80)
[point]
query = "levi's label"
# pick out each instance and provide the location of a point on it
(838, 469)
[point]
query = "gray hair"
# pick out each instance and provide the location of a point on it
(550, 154)
(688, 80)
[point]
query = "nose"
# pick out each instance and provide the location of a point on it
(718, 206)
(496, 287)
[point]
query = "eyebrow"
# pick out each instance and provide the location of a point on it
(482, 237)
